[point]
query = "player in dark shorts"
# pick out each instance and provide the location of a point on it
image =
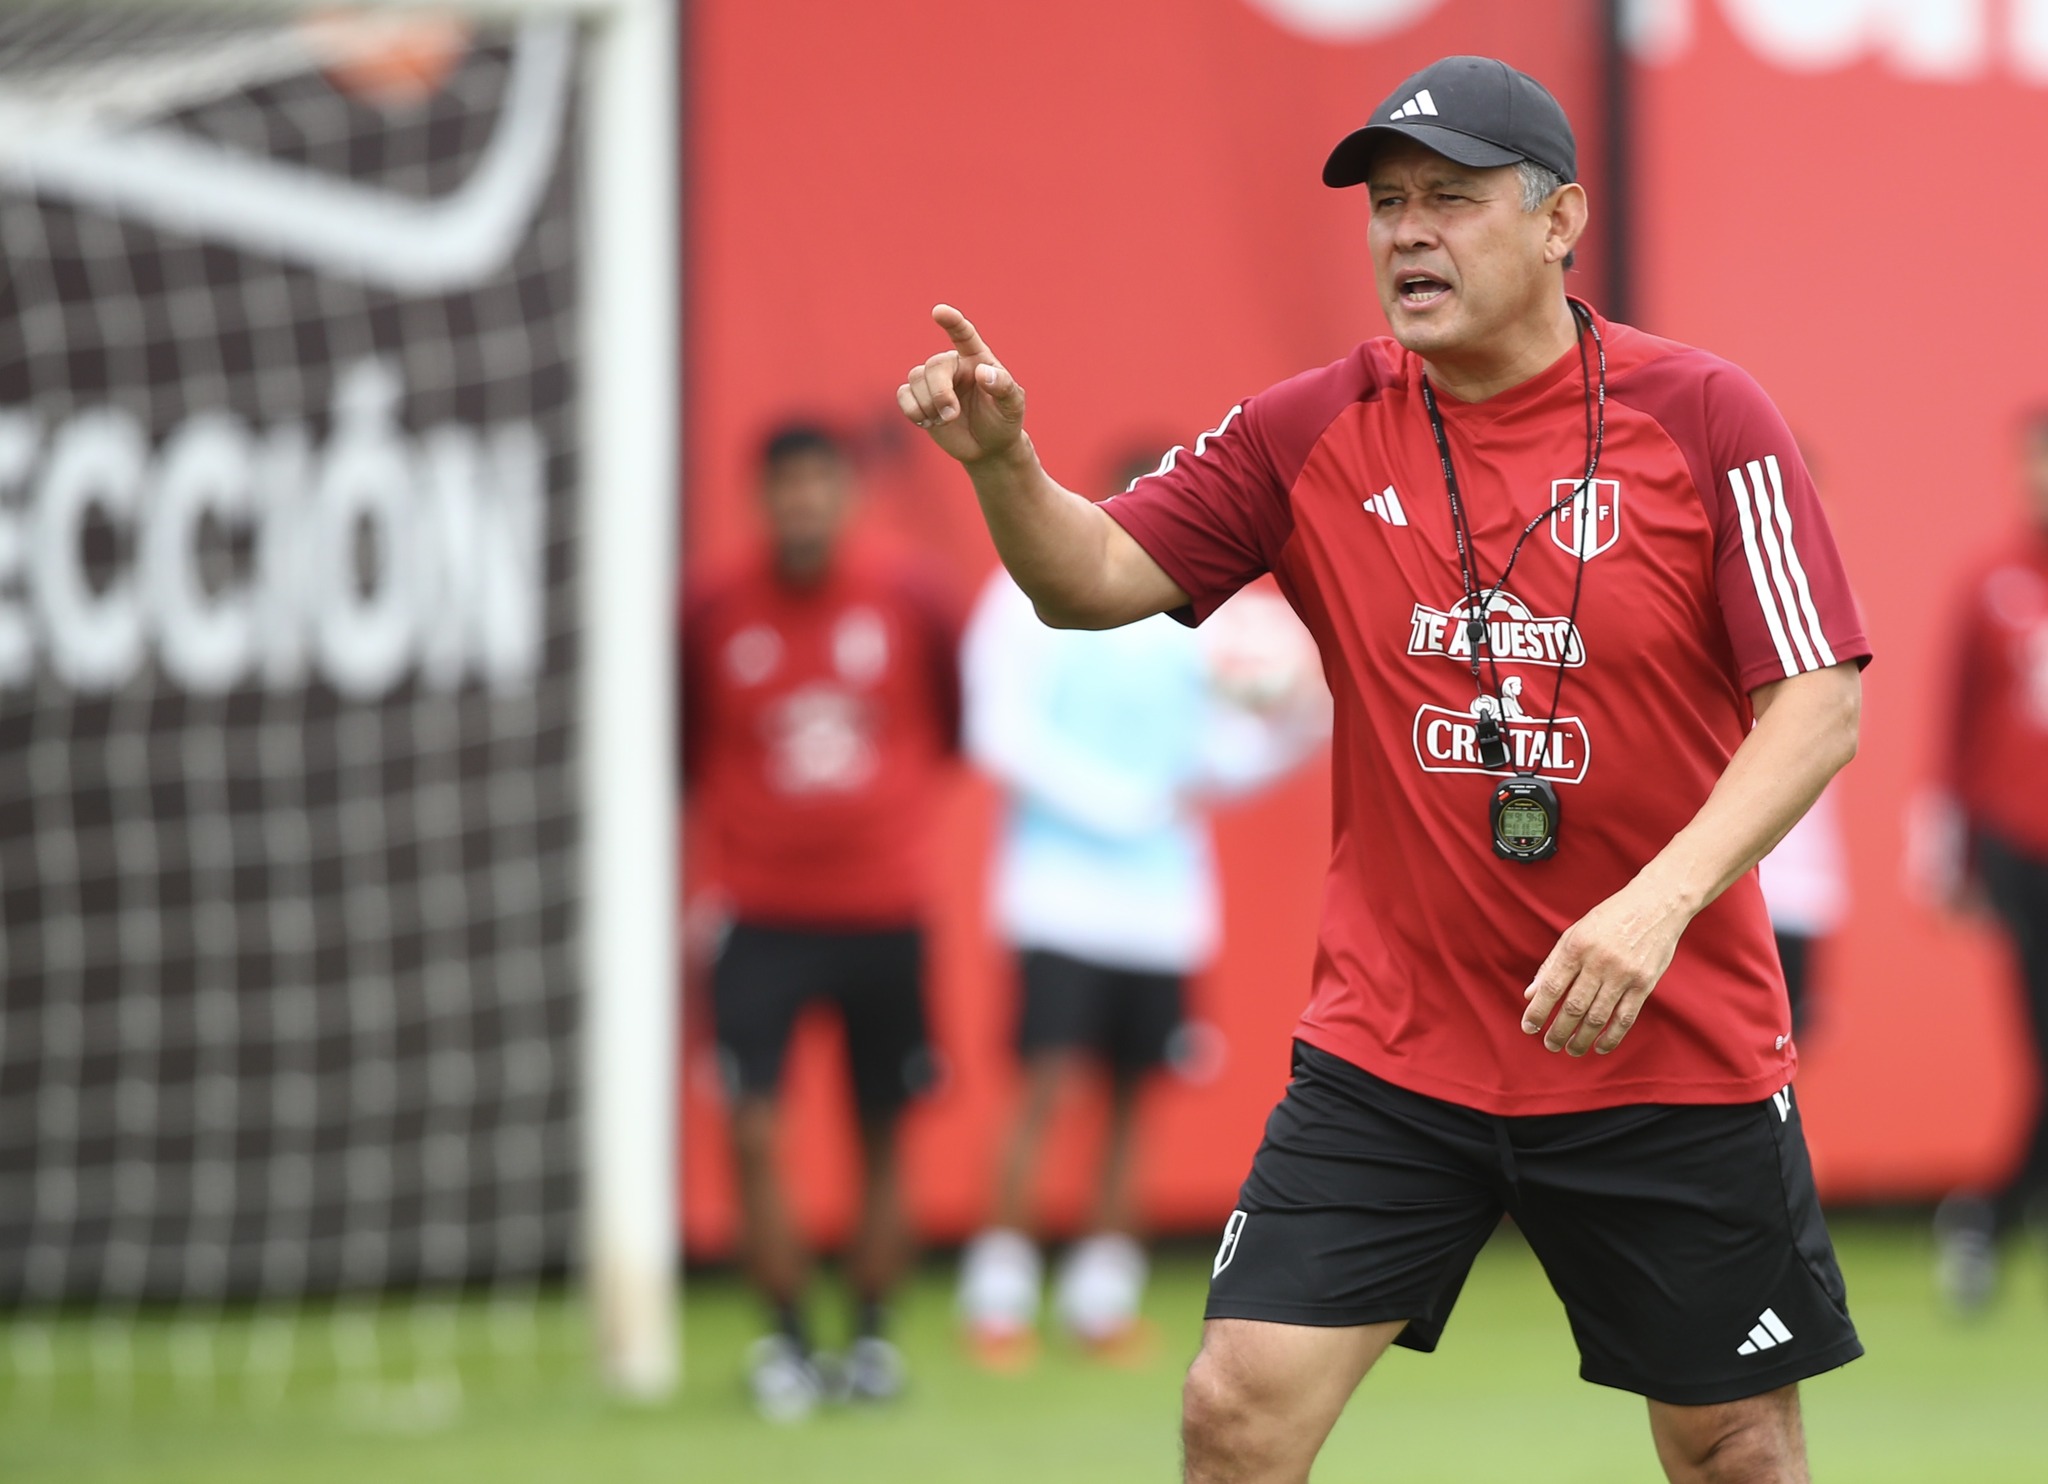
(820, 705)
(1109, 748)
(1995, 753)
(1592, 651)
(1075, 1016)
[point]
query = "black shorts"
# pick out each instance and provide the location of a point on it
(765, 978)
(1125, 1016)
(1685, 1241)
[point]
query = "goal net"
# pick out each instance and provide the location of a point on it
(289, 671)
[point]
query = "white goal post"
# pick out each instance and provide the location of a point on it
(632, 402)
(626, 380)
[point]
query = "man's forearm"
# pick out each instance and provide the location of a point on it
(1079, 568)
(1050, 538)
(1806, 732)
(1603, 969)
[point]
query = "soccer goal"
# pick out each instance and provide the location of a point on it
(338, 408)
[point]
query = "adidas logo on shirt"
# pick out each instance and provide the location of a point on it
(1421, 103)
(1387, 506)
(1769, 1334)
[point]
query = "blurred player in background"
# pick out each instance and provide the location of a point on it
(1806, 889)
(820, 705)
(1985, 842)
(1108, 745)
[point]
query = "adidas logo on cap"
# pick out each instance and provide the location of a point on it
(1502, 116)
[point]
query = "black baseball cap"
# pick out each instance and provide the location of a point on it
(1475, 110)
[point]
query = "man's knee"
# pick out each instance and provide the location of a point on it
(1755, 1441)
(1261, 1397)
(1239, 1418)
(1219, 1413)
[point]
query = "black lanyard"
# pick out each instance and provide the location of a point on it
(1493, 749)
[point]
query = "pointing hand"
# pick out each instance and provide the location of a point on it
(963, 396)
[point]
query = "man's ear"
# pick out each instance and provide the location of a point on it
(1565, 218)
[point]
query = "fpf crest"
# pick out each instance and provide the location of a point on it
(1591, 516)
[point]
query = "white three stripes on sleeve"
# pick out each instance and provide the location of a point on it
(1201, 447)
(1775, 568)
(1806, 606)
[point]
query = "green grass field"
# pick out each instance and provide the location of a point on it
(1934, 1400)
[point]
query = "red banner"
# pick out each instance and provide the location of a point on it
(1126, 200)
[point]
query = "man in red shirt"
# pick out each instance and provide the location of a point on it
(1995, 753)
(1592, 652)
(821, 701)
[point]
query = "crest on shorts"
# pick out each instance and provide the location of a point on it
(1588, 518)
(1229, 1248)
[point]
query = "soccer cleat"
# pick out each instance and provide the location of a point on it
(1000, 1276)
(1132, 1346)
(1965, 1253)
(872, 1372)
(1005, 1350)
(786, 1383)
(1101, 1284)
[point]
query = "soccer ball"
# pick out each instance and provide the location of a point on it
(1258, 654)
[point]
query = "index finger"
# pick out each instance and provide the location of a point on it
(966, 339)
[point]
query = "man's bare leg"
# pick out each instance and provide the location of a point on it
(1260, 1398)
(881, 1247)
(1758, 1440)
(1117, 1211)
(1047, 1075)
(775, 1256)
(875, 1264)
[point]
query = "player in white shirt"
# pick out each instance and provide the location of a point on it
(1109, 745)
(1806, 887)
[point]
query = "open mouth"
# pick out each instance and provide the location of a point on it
(1419, 289)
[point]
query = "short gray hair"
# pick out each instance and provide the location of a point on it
(1539, 184)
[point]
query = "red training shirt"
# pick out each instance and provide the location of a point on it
(1998, 740)
(816, 721)
(1713, 571)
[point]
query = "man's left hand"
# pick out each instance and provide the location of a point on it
(1599, 976)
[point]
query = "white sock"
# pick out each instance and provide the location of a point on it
(1000, 1275)
(1101, 1284)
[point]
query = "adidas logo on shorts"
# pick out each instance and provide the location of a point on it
(1768, 1334)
